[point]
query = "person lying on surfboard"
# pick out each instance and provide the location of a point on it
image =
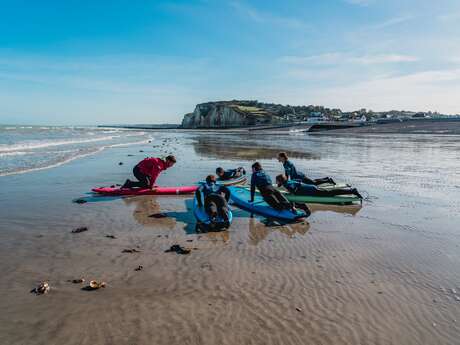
(291, 172)
(215, 198)
(148, 170)
(272, 197)
(299, 188)
(229, 174)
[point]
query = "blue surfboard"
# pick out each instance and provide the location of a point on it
(240, 197)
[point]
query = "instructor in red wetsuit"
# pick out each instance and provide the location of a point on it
(148, 170)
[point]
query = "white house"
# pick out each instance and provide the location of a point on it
(316, 117)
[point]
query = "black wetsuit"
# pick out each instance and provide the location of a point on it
(144, 180)
(299, 188)
(232, 173)
(291, 173)
(214, 202)
(273, 197)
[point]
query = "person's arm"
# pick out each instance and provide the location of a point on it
(153, 176)
(287, 170)
(226, 193)
(156, 170)
(198, 197)
(253, 187)
(293, 170)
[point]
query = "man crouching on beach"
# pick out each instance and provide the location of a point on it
(148, 170)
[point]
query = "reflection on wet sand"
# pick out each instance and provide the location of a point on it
(236, 149)
(147, 212)
(217, 236)
(259, 231)
(345, 209)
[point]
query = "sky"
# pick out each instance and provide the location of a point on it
(107, 62)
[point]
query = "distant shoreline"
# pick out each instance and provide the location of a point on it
(419, 126)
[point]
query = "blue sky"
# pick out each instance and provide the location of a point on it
(91, 62)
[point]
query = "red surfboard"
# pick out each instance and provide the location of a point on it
(139, 191)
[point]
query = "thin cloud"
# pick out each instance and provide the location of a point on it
(359, 2)
(435, 90)
(321, 59)
(268, 18)
(392, 22)
(449, 17)
(336, 58)
(385, 58)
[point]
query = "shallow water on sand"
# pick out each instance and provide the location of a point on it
(29, 148)
(384, 273)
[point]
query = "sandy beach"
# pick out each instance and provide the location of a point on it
(386, 272)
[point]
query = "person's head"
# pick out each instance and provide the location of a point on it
(281, 179)
(210, 179)
(220, 171)
(282, 157)
(170, 161)
(256, 167)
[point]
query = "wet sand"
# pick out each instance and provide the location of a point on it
(384, 273)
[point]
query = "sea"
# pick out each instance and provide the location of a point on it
(28, 148)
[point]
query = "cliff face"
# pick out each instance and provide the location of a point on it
(225, 115)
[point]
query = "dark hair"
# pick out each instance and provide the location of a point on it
(171, 158)
(210, 178)
(281, 178)
(283, 155)
(219, 170)
(257, 166)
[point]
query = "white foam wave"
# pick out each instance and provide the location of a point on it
(69, 159)
(15, 153)
(42, 144)
(129, 144)
(135, 134)
(54, 165)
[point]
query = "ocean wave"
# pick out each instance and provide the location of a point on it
(135, 134)
(15, 153)
(52, 165)
(129, 144)
(64, 160)
(42, 144)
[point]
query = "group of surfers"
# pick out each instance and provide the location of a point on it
(214, 196)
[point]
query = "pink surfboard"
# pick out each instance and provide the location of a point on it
(138, 191)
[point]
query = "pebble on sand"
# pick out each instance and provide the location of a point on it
(94, 285)
(158, 215)
(133, 250)
(41, 289)
(178, 250)
(80, 229)
(77, 281)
